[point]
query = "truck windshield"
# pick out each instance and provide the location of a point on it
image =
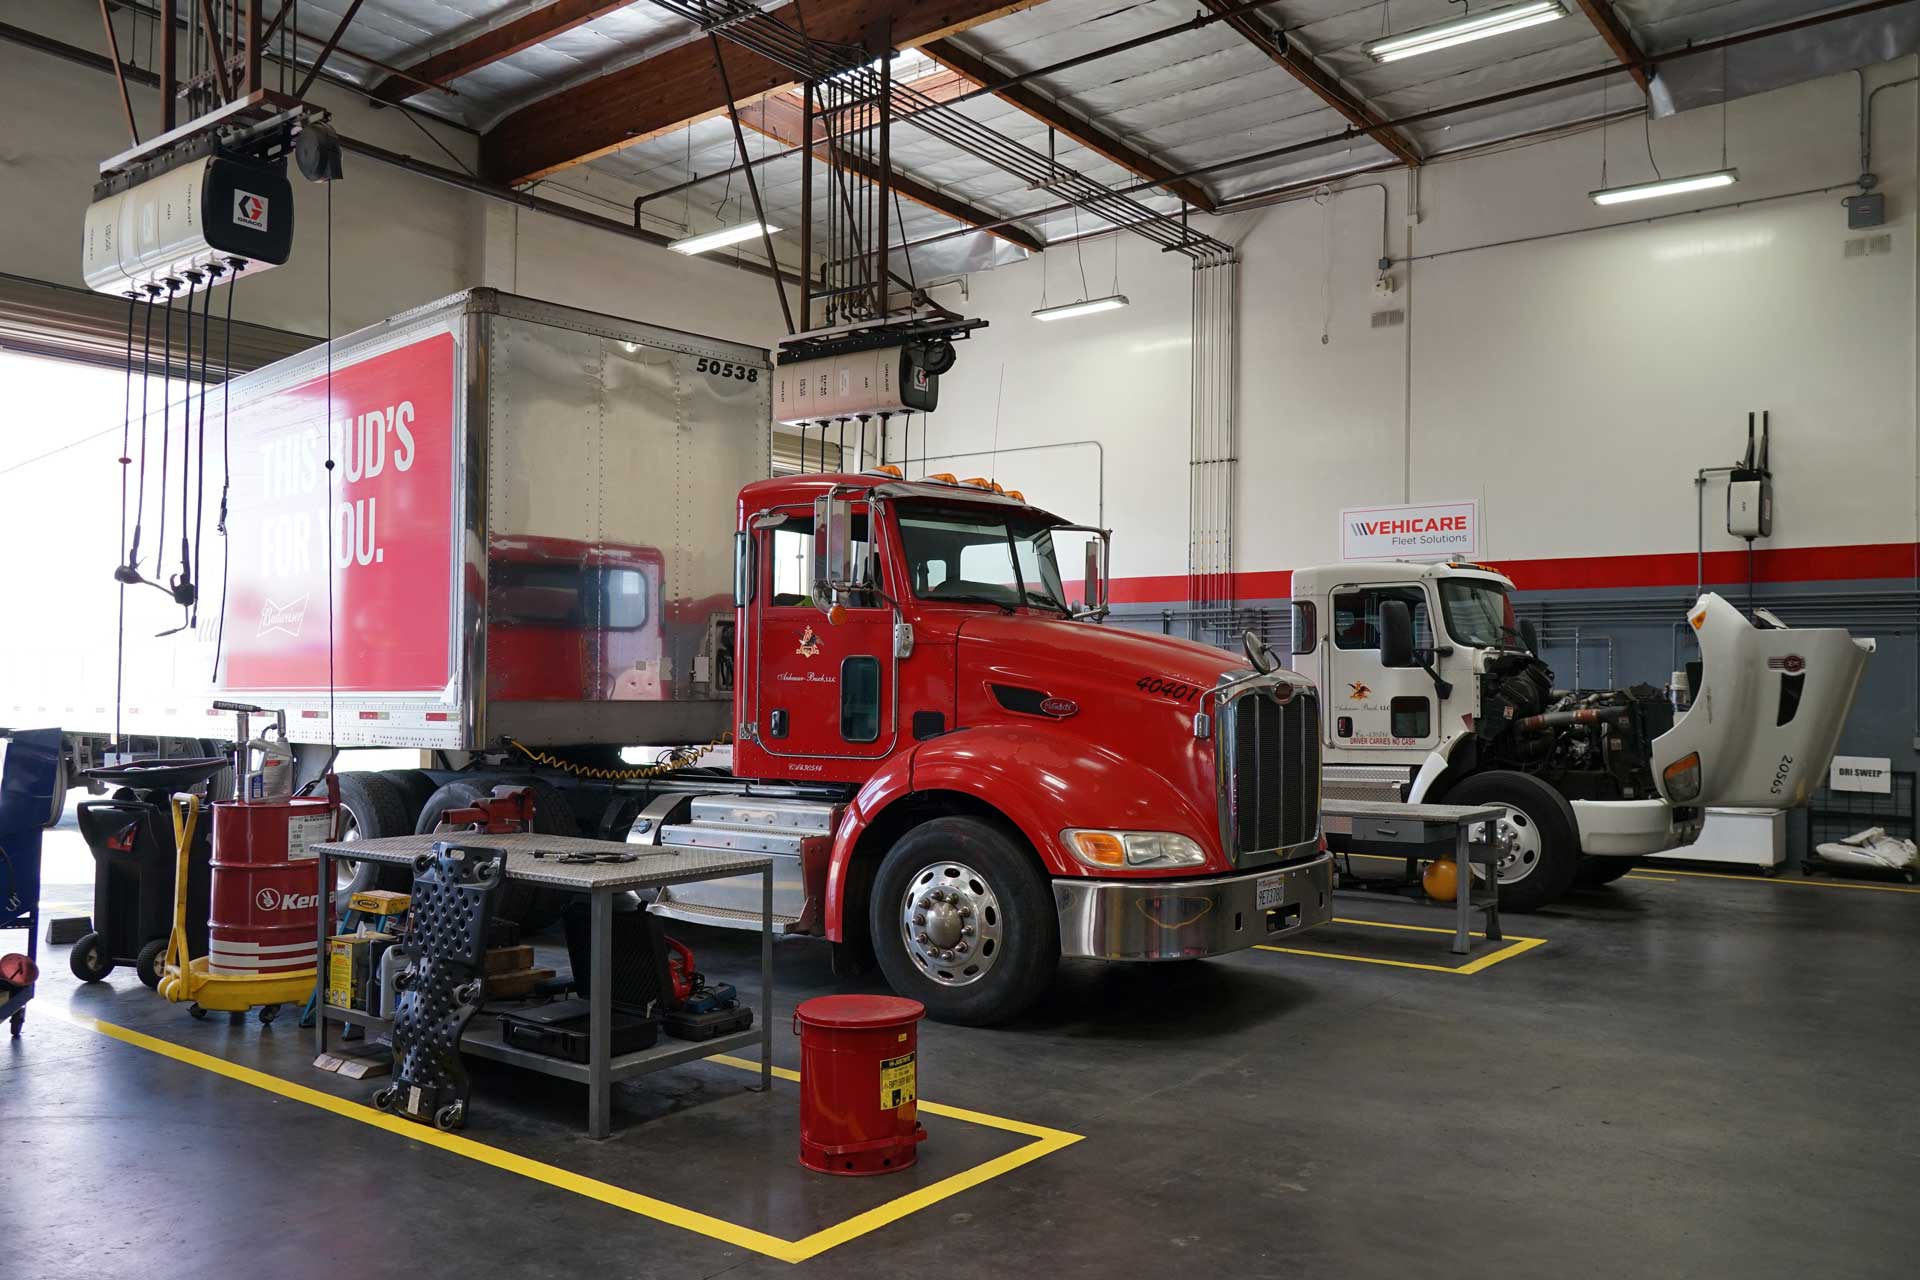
(980, 555)
(1478, 613)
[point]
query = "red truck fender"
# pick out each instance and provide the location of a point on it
(1037, 777)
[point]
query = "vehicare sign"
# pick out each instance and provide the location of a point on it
(1428, 531)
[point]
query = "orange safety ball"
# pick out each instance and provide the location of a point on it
(1441, 880)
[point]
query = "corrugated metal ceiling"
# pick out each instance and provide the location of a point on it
(1189, 101)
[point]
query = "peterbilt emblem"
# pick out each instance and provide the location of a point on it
(809, 644)
(1059, 707)
(1792, 663)
(1283, 694)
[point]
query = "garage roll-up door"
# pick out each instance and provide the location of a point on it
(77, 324)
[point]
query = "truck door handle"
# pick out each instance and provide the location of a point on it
(777, 724)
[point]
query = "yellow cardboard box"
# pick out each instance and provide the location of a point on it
(379, 902)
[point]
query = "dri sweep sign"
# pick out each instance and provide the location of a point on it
(1426, 531)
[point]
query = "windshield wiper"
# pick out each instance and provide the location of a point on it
(1043, 599)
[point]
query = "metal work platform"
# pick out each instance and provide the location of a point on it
(530, 856)
(1419, 832)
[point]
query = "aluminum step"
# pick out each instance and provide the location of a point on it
(723, 917)
(783, 812)
(744, 838)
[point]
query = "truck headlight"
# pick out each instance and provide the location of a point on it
(1682, 779)
(1105, 849)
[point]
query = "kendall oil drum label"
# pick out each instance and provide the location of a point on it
(896, 1081)
(304, 830)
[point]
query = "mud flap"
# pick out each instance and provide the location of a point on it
(1768, 713)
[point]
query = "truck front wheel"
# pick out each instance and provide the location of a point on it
(1538, 843)
(963, 921)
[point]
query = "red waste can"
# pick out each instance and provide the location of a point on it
(266, 900)
(859, 1108)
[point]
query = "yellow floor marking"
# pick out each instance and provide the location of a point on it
(1516, 945)
(1656, 879)
(1046, 1141)
(1804, 884)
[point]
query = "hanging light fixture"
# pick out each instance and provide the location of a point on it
(1090, 306)
(719, 238)
(1665, 187)
(1476, 26)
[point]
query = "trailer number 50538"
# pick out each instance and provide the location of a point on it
(727, 369)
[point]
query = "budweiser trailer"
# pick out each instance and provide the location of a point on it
(529, 537)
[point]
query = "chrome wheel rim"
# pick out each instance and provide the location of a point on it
(1516, 844)
(346, 870)
(950, 923)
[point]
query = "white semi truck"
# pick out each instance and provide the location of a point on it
(1432, 693)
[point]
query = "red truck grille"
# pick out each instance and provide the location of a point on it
(1272, 773)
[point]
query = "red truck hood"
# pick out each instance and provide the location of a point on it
(1103, 669)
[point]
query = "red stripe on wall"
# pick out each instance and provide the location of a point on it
(1595, 573)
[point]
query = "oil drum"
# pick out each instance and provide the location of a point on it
(266, 897)
(859, 1108)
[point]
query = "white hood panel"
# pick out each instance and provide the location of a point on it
(1769, 710)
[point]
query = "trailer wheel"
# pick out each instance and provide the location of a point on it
(415, 789)
(89, 960)
(62, 780)
(374, 810)
(963, 921)
(1539, 841)
(1594, 872)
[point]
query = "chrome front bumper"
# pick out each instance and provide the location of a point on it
(1186, 919)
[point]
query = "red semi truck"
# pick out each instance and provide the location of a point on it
(553, 540)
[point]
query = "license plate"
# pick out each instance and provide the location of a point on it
(1272, 891)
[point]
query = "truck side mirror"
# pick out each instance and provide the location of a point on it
(834, 566)
(1530, 636)
(1396, 634)
(1094, 567)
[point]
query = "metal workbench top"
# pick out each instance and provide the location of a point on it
(652, 868)
(1408, 812)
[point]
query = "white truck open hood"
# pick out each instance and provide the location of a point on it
(1768, 712)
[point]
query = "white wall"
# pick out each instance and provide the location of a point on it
(1573, 383)
(398, 240)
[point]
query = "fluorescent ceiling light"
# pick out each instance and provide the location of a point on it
(1478, 26)
(718, 239)
(1068, 310)
(1666, 187)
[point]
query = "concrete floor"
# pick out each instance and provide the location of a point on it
(1691, 1077)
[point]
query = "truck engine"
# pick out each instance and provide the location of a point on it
(1587, 744)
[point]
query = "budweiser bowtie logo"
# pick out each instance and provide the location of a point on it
(283, 618)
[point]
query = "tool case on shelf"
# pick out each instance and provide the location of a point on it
(562, 1029)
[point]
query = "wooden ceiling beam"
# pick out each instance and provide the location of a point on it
(1056, 117)
(505, 40)
(1618, 39)
(1298, 62)
(680, 86)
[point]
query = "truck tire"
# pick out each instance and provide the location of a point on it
(415, 789)
(963, 921)
(62, 781)
(528, 905)
(374, 811)
(1542, 842)
(1594, 872)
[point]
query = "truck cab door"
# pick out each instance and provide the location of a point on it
(1369, 705)
(819, 689)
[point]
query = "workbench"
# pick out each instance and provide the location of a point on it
(1421, 832)
(651, 868)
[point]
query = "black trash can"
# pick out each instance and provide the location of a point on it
(131, 838)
